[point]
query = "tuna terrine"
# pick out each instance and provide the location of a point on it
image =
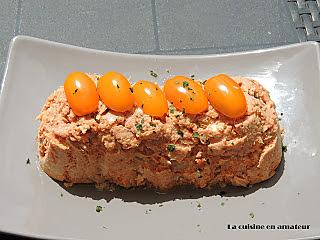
(134, 149)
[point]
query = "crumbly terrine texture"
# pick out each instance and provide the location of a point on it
(134, 149)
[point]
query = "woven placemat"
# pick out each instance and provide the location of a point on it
(306, 17)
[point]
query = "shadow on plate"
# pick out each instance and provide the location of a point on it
(152, 196)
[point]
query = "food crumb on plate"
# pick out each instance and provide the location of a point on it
(148, 211)
(98, 209)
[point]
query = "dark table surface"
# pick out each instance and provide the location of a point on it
(160, 26)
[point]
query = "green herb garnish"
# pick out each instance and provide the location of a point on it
(185, 84)
(28, 161)
(98, 209)
(153, 124)
(171, 108)
(139, 126)
(180, 132)
(251, 215)
(153, 74)
(196, 135)
(222, 204)
(171, 147)
(61, 194)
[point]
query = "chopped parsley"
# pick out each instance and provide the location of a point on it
(196, 135)
(153, 124)
(284, 148)
(139, 126)
(251, 215)
(61, 194)
(75, 91)
(171, 147)
(28, 161)
(167, 71)
(192, 76)
(199, 206)
(153, 74)
(185, 84)
(131, 89)
(222, 204)
(180, 132)
(171, 108)
(98, 209)
(189, 88)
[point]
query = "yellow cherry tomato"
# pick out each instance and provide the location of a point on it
(186, 94)
(150, 98)
(226, 96)
(81, 93)
(115, 92)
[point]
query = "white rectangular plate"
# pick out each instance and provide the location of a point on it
(33, 204)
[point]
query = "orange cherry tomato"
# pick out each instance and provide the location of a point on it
(115, 92)
(150, 98)
(81, 93)
(226, 96)
(185, 93)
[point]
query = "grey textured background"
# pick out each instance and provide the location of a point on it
(150, 26)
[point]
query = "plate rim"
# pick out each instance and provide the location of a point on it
(21, 38)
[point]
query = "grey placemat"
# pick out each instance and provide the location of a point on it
(306, 18)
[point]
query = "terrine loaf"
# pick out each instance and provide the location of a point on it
(135, 149)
